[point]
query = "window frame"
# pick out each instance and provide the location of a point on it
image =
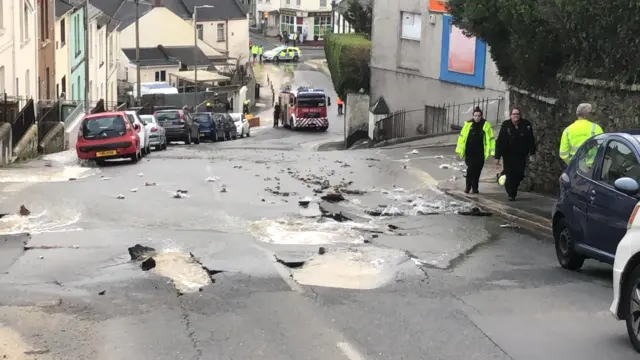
(583, 152)
(605, 149)
(408, 30)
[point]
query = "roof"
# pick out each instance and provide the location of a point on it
(125, 10)
(62, 7)
(167, 55)
(222, 10)
(203, 76)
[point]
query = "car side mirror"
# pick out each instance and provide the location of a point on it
(136, 127)
(627, 185)
(329, 101)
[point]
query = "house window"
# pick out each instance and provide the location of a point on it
(17, 87)
(220, 32)
(101, 50)
(323, 3)
(63, 33)
(77, 35)
(287, 23)
(298, 2)
(161, 75)
(200, 31)
(2, 16)
(47, 83)
(93, 43)
(288, 2)
(411, 26)
(80, 95)
(322, 25)
(43, 16)
(63, 84)
(27, 88)
(73, 92)
(46, 19)
(110, 52)
(25, 22)
(2, 90)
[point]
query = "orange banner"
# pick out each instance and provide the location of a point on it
(439, 6)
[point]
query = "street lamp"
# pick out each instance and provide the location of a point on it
(195, 52)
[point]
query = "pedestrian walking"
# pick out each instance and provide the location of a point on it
(276, 115)
(475, 144)
(578, 132)
(245, 107)
(260, 52)
(516, 145)
(254, 52)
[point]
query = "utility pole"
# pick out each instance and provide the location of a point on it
(195, 58)
(138, 90)
(87, 90)
(195, 53)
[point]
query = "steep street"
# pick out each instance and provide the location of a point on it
(249, 262)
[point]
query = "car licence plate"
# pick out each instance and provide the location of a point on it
(106, 153)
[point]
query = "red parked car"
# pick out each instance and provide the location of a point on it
(108, 135)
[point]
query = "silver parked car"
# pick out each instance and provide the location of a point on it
(157, 134)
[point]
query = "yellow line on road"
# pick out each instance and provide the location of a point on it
(424, 177)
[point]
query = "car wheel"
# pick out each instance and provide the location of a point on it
(276, 58)
(249, 132)
(197, 139)
(565, 247)
(165, 144)
(100, 162)
(148, 149)
(631, 296)
(136, 157)
(188, 139)
(242, 134)
(295, 58)
(227, 136)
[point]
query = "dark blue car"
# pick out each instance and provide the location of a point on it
(209, 128)
(598, 192)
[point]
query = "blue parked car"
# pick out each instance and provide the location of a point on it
(598, 192)
(209, 128)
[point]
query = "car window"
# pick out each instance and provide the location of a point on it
(148, 119)
(168, 118)
(202, 118)
(236, 117)
(103, 127)
(619, 161)
(131, 118)
(586, 157)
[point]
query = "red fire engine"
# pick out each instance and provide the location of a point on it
(304, 108)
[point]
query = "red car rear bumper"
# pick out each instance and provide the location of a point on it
(106, 151)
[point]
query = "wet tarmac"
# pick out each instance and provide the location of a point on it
(268, 269)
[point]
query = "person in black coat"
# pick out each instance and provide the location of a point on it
(276, 114)
(515, 145)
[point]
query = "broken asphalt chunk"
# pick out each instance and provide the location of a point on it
(138, 252)
(333, 197)
(150, 184)
(102, 292)
(338, 213)
(474, 212)
(120, 197)
(322, 250)
(24, 211)
(148, 264)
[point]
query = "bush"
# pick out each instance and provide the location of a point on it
(532, 42)
(348, 58)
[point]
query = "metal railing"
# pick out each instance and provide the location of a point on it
(10, 107)
(436, 119)
(48, 120)
(21, 124)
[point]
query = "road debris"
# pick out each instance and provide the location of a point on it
(102, 292)
(445, 166)
(148, 264)
(212, 179)
(510, 226)
(322, 250)
(475, 212)
(413, 152)
(150, 184)
(134, 190)
(140, 174)
(105, 178)
(120, 197)
(223, 189)
(333, 197)
(24, 211)
(138, 252)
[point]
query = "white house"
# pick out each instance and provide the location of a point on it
(112, 43)
(62, 46)
(222, 24)
(311, 17)
(18, 48)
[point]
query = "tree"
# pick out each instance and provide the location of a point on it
(532, 42)
(348, 57)
(359, 14)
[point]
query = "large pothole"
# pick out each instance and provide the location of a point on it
(183, 269)
(362, 268)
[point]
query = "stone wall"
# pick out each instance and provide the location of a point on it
(6, 148)
(53, 141)
(356, 116)
(27, 147)
(615, 109)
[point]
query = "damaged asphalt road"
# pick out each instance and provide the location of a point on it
(260, 248)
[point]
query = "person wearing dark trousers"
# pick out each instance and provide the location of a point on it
(276, 115)
(515, 145)
(475, 144)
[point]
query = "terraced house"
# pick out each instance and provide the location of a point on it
(46, 50)
(18, 48)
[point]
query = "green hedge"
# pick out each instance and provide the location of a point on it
(532, 42)
(348, 58)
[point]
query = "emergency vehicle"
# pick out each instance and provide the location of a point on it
(303, 108)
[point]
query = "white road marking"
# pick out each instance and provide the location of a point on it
(349, 351)
(427, 180)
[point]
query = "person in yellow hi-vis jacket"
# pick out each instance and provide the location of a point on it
(475, 144)
(577, 133)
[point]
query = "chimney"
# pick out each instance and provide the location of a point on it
(158, 3)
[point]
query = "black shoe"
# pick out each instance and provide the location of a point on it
(466, 190)
(512, 198)
(475, 191)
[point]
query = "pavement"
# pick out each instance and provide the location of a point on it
(250, 259)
